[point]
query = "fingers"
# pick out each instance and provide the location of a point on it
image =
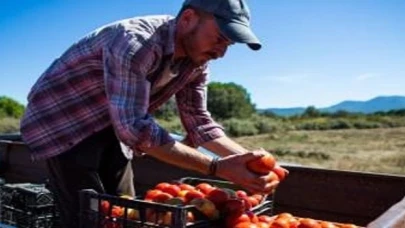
(266, 189)
(234, 168)
(260, 184)
(270, 187)
(251, 155)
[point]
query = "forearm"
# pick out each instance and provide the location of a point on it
(182, 156)
(224, 146)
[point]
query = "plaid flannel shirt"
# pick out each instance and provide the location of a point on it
(106, 79)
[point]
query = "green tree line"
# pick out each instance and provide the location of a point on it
(10, 108)
(231, 105)
(10, 114)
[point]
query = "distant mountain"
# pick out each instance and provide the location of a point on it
(381, 103)
(284, 111)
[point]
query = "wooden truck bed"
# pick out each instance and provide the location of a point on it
(348, 197)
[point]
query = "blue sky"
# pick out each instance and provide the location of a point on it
(315, 52)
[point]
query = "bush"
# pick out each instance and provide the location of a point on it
(387, 121)
(237, 127)
(9, 125)
(172, 125)
(264, 127)
(10, 108)
(313, 125)
(363, 124)
(340, 124)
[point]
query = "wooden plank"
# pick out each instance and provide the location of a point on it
(19, 167)
(338, 195)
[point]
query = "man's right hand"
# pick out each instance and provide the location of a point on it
(233, 168)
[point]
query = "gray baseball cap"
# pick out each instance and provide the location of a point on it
(233, 18)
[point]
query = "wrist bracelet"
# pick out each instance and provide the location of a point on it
(213, 166)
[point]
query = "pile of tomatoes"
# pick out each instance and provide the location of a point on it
(283, 220)
(215, 202)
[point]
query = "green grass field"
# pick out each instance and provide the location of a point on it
(379, 150)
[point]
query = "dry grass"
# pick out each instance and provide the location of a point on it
(9, 125)
(372, 150)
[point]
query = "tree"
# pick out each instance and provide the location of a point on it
(10, 108)
(229, 100)
(311, 111)
(167, 111)
(341, 113)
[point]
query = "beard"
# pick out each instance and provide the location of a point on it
(191, 49)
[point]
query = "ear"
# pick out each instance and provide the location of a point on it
(188, 20)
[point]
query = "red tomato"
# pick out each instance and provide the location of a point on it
(253, 201)
(325, 224)
(117, 211)
(285, 215)
(308, 223)
(204, 188)
(348, 226)
(263, 165)
(294, 223)
(246, 225)
(150, 194)
(218, 196)
(186, 187)
(172, 190)
(104, 206)
(241, 194)
(272, 176)
(253, 217)
(232, 220)
(162, 186)
(280, 223)
(263, 225)
(233, 207)
(280, 172)
(265, 218)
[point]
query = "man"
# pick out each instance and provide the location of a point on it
(104, 88)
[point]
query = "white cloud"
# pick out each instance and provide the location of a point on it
(366, 76)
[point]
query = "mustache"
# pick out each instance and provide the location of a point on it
(213, 55)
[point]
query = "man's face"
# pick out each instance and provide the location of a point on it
(203, 40)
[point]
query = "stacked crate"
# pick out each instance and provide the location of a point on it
(27, 205)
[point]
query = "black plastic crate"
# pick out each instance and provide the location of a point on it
(27, 205)
(94, 213)
(266, 206)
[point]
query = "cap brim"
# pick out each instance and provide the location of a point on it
(239, 33)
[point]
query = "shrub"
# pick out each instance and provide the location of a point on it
(340, 124)
(237, 127)
(172, 125)
(9, 125)
(363, 124)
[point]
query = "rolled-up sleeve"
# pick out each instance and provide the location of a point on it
(127, 61)
(195, 117)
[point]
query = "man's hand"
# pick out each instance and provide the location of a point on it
(233, 168)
